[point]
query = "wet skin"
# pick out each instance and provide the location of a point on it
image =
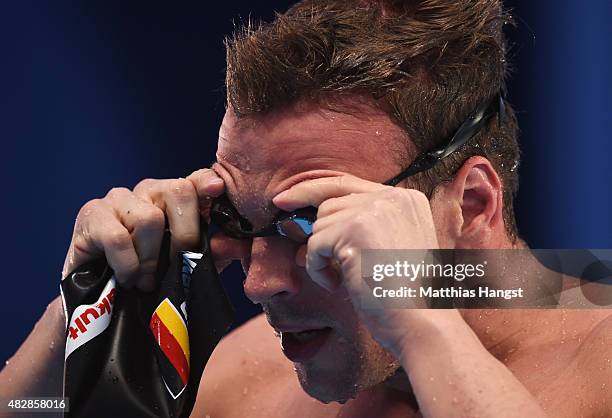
(248, 373)
(260, 158)
(501, 363)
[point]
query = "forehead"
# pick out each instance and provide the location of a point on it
(260, 156)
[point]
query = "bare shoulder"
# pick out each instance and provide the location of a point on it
(594, 359)
(595, 352)
(243, 359)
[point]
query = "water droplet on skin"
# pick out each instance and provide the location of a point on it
(179, 211)
(245, 391)
(52, 345)
(6, 363)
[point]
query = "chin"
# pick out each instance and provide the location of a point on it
(326, 390)
(347, 378)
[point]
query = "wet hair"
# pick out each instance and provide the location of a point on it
(427, 63)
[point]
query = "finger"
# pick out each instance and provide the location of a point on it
(145, 222)
(300, 256)
(207, 182)
(319, 260)
(353, 200)
(178, 199)
(208, 185)
(225, 250)
(341, 217)
(103, 233)
(316, 191)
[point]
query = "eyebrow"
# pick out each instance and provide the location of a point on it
(231, 190)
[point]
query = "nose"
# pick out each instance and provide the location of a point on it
(272, 271)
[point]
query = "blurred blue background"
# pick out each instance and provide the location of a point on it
(104, 93)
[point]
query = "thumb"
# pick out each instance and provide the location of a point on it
(225, 250)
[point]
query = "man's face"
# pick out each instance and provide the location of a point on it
(260, 157)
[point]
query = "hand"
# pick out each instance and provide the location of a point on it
(127, 227)
(356, 214)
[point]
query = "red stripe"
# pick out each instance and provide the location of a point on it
(171, 348)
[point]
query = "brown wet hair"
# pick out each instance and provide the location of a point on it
(428, 64)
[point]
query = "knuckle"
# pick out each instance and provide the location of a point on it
(181, 189)
(145, 184)
(89, 207)
(150, 217)
(397, 192)
(340, 180)
(313, 245)
(325, 208)
(316, 227)
(379, 204)
(118, 239)
(199, 175)
(116, 192)
(359, 223)
(79, 243)
(419, 197)
(397, 197)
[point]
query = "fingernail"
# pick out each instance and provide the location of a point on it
(216, 180)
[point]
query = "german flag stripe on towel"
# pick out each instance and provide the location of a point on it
(170, 332)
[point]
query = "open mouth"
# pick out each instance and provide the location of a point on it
(303, 345)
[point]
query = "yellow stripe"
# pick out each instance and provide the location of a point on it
(174, 322)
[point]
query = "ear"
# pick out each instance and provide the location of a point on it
(471, 205)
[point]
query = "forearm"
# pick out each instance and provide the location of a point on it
(453, 375)
(36, 369)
